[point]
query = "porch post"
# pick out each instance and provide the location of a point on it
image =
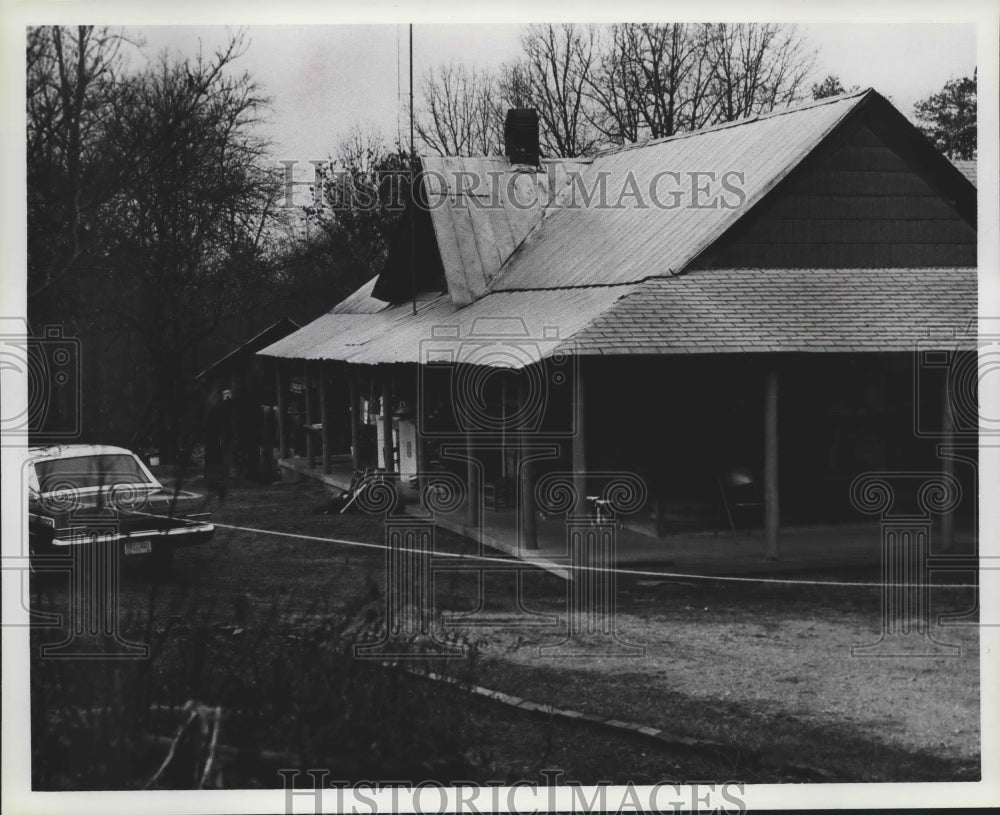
(307, 396)
(352, 380)
(387, 451)
(324, 413)
(473, 481)
(279, 369)
(579, 444)
(948, 463)
(529, 530)
(771, 515)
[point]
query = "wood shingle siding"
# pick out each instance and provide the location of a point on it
(861, 205)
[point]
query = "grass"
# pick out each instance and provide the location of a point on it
(263, 625)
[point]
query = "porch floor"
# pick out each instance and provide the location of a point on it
(698, 553)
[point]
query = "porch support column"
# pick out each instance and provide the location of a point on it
(387, 453)
(771, 516)
(579, 444)
(307, 397)
(529, 530)
(948, 463)
(282, 381)
(355, 397)
(324, 413)
(474, 482)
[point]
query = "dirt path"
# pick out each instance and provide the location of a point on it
(765, 684)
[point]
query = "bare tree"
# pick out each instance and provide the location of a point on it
(514, 85)
(757, 67)
(651, 80)
(70, 74)
(557, 65)
(186, 237)
(362, 195)
(615, 87)
(458, 112)
(594, 87)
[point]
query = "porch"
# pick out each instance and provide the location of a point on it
(723, 552)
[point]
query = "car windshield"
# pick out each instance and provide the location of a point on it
(80, 472)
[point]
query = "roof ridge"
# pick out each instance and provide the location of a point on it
(735, 123)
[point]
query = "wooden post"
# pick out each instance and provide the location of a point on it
(279, 369)
(418, 417)
(355, 397)
(771, 514)
(579, 445)
(387, 450)
(324, 416)
(307, 397)
(529, 529)
(948, 463)
(474, 482)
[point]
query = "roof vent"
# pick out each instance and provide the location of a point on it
(520, 136)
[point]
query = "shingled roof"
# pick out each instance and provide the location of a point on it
(803, 310)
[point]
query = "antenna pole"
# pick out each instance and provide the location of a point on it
(413, 191)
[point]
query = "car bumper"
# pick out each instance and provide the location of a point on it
(177, 536)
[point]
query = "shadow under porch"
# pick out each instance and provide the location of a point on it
(679, 425)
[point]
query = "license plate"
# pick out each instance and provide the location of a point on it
(138, 547)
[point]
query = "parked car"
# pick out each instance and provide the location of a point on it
(80, 494)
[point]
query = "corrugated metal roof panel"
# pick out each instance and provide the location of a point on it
(634, 233)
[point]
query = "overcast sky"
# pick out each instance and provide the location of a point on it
(324, 79)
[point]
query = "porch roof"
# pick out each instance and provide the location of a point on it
(712, 311)
(789, 310)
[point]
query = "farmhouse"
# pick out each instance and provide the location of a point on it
(737, 322)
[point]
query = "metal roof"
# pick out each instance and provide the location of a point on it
(806, 310)
(524, 253)
(505, 330)
(361, 301)
(633, 237)
(481, 209)
(281, 328)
